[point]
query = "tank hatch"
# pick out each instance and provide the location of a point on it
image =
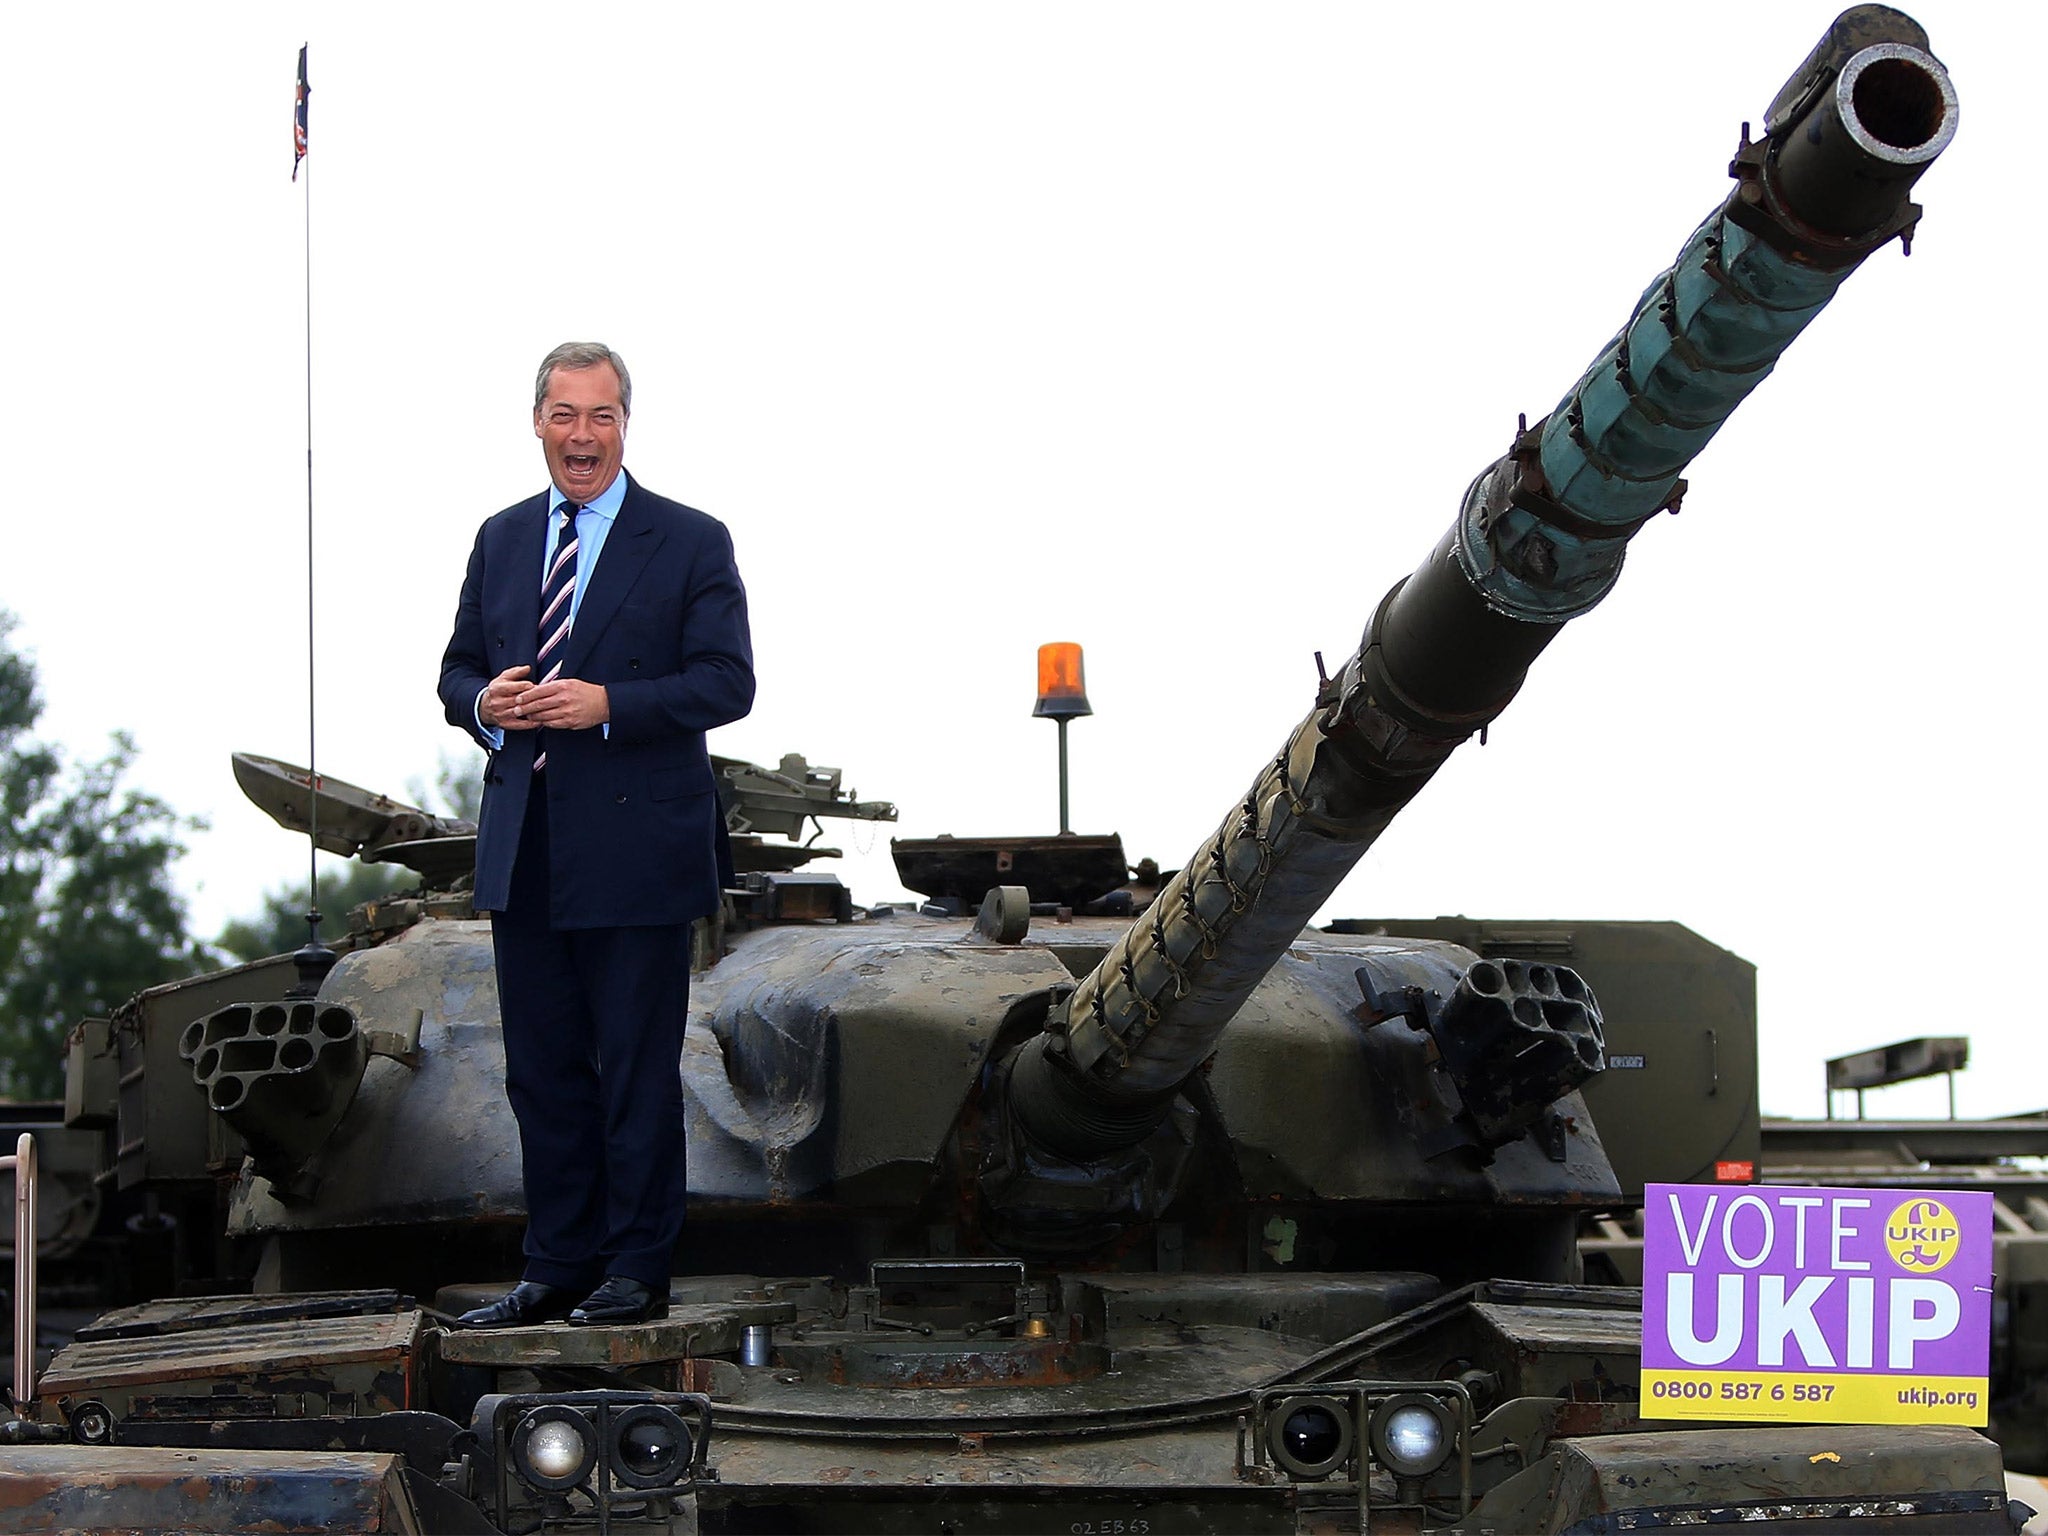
(1069, 870)
(358, 823)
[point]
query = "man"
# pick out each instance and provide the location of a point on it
(602, 630)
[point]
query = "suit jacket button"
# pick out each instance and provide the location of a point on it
(634, 663)
(622, 799)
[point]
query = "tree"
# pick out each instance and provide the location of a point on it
(457, 788)
(88, 914)
(278, 926)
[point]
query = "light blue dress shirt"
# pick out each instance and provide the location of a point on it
(593, 527)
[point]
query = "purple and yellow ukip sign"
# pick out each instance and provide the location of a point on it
(1832, 1306)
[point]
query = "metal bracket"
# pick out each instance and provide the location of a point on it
(1418, 1005)
(400, 1045)
(23, 1163)
(1005, 915)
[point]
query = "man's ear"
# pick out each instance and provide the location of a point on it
(536, 424)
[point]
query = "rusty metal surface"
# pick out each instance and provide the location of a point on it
(686, 1331)
(135, 1489)
(1157, 1376)
(1183, 1481)
(307, 1345)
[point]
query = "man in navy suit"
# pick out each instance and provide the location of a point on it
(600, 837)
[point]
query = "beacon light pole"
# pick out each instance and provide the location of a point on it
(1062, 696)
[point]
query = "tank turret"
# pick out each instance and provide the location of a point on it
(1538, 541)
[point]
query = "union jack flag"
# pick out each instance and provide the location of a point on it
(299, 116)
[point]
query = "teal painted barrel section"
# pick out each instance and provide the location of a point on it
(1705, 333)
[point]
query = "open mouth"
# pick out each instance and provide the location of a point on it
(581, 463)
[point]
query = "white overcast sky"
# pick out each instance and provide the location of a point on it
(1174, 329)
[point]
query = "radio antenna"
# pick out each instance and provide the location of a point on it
(316, 959)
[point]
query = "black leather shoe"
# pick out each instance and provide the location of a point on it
(620, 1300)
(527, 1302)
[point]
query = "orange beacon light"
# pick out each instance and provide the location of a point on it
(1061, 693)
(1062, 696)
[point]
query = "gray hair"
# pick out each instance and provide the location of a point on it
(583, 354)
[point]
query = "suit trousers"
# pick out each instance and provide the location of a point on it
(593, 1025)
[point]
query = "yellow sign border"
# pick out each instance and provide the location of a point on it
(1816, 1397)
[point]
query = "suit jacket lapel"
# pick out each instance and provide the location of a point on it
(528, 541)
(627, 549)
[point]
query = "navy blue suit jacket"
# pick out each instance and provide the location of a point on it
(634, 829)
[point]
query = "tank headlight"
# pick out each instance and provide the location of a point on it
(553, 1448)
(1412, 1435)
(1310, 1437)
(650, 1447)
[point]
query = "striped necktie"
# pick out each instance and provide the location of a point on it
(557, 603)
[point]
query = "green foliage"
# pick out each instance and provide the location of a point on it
(88, 916)
(457, 788)
(278, 926)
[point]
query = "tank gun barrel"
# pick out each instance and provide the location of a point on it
(1538, 541)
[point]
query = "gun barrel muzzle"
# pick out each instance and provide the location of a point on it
(1848, 162)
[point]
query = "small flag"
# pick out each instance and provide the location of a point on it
(299, 116)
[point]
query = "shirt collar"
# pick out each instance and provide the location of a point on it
(606, 506)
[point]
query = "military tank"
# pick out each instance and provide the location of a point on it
(1060, 1200)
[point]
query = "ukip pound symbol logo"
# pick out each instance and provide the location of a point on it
(1922, 1236)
